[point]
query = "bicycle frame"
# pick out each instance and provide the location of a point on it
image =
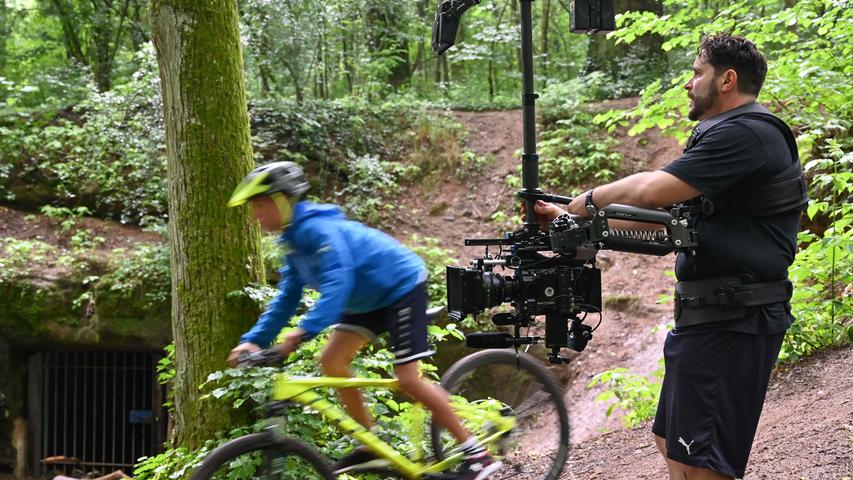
(301, 390)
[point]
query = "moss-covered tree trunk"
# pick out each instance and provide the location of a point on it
(214, 250)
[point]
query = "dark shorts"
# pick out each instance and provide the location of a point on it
(405, 321)
(712, 395)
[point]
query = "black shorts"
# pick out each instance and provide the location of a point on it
(712, 394)
(405, 321)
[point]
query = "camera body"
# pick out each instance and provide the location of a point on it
(553, 286)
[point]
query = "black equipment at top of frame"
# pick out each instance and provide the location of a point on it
(553, 272)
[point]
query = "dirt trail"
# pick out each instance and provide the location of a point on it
(806, 430)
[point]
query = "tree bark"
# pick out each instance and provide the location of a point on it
(4, 32)
(214, 250)
(69, 30)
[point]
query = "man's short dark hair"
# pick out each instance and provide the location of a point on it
(724, 51)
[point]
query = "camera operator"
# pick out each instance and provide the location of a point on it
(740, 184)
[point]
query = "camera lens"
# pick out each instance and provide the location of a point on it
(497, 289)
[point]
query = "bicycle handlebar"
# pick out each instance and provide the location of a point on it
(261, 357)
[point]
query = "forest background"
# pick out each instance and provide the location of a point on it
(351, 90)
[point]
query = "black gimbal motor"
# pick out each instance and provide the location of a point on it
(551, 273)
(587, 16)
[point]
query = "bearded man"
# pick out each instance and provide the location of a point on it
(740, 184)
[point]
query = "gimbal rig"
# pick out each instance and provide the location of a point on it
(554, 272)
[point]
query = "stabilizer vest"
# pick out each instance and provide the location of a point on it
(784, 192)
(727, 298)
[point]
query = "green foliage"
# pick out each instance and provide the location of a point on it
(68, 216)
(142, 273)
(166, 365)
(371, 184)
(573, 152)
(804, 44)
(436, 258)
(823, 270)
(358, 153)
(20, 258)
(562, 99)
(105, 153)
(173, 463)
(635, 395)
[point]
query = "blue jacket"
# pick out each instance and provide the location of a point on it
(355, 268)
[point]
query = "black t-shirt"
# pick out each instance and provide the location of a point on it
(735, 155)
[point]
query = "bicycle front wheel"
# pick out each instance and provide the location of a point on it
(259, 456)
(538, 446)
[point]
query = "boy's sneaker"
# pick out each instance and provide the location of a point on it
(478, 466)
(359, 459)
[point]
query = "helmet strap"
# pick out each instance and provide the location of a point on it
(284, 208)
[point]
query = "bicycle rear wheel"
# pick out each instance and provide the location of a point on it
(259, 456)
(539, 444)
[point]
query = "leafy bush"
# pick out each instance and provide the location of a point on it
(574, 153)
(572, 150)
(250, 388)
(636, 395)
(145, 272)
(562, 99)
(23, 257)
(359, 153)
(823, 269)
(105, 152)
(436, 258)
(371, 183)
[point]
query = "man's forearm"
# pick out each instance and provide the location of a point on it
(631, 190)
(627, 191)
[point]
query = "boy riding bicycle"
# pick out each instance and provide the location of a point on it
(369, 284)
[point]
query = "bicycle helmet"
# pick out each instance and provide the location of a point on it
(277, 177)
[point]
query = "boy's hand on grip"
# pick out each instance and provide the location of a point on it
(234, 356)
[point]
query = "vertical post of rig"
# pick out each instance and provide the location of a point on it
(529, 157)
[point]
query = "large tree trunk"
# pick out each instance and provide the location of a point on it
(214, 250)
(4, 32)
(70, 31)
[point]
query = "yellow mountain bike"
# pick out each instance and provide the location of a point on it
(510, 401)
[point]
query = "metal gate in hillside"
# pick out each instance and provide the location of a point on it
(93, 411)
